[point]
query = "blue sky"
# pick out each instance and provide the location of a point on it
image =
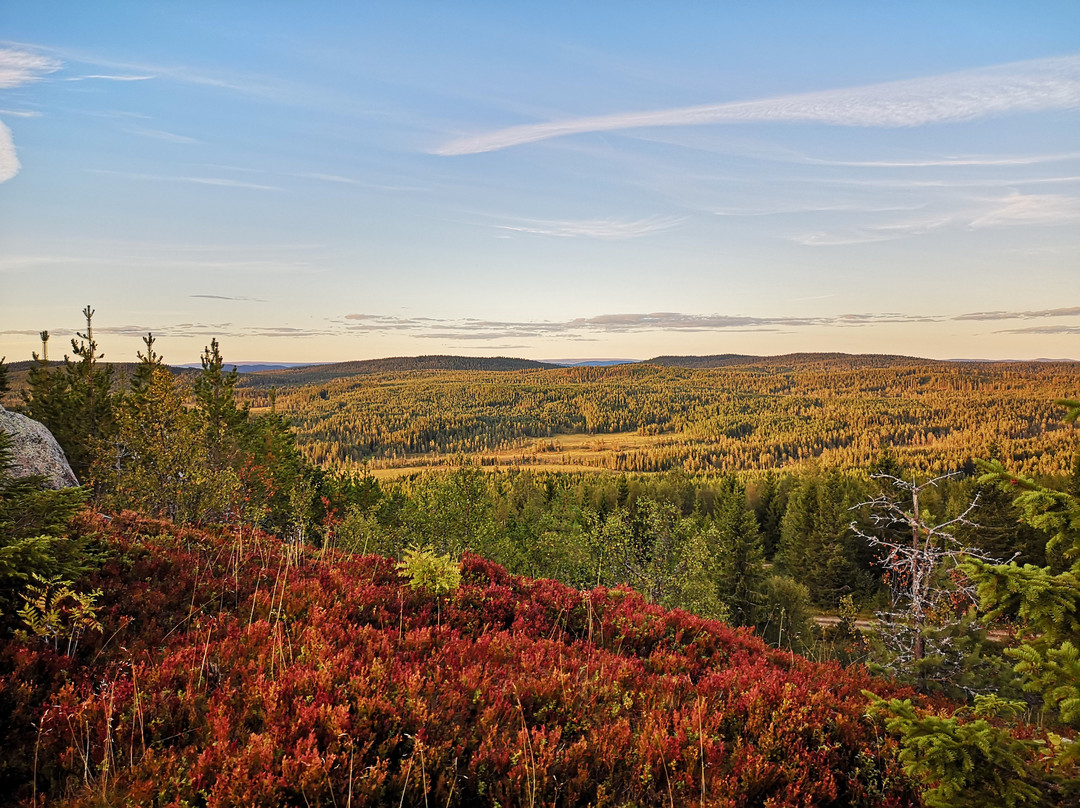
(327, 181)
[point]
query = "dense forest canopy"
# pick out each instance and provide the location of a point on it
(758, 414)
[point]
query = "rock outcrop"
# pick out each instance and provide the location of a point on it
(35, 451)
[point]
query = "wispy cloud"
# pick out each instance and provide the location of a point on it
(227, 297)
(1028, 209)
(260, 86)
(341, 180)
(107, 77)
(19, 67)
(262, 261)
(159, 134)
(585, 328)
(1042, 84)
(314, 175)
(811, 297)
(962, 213)
(9, 160)
(219, 181)
(197, 329)
(469, 331)
(1069, 311)
(945, 162)
(783, 210)
(1044, 329)
(605, 229)
(21, 113)
(590, 327)
(904, 228)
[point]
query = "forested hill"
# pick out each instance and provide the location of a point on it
(836, 361)
(317, 374)
(768, 414)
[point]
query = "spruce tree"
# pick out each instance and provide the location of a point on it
(736, 545)
(223, 422)
(979, 756)
(817, 543)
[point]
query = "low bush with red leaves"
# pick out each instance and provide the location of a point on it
(235, 670)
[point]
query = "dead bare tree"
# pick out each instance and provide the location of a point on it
(929, 594)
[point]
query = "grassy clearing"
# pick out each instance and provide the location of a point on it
(574, 452)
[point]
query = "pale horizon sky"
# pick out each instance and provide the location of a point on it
(336, 181)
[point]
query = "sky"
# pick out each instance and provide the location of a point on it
(335, 181)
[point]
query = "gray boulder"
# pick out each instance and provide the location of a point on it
(35, 451)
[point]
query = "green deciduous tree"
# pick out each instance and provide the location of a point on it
(428, 571)
(158, 463)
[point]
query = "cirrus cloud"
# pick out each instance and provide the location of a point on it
(604, 229)
(19, 67)
(1041, 84)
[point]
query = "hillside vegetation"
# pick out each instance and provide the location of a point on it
(232, 669)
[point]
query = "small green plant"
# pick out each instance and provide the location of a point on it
(55, 612)
(438, 574)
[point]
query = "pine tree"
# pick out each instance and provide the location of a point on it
(215, 400)
(77, 403)
(148, 364)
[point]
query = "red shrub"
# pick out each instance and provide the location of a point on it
(234, 670)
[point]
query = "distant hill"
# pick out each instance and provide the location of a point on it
(592, 363)
(316, 374)
(790, 360)
(257, 367)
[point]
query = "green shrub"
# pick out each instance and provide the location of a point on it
(437, 574)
